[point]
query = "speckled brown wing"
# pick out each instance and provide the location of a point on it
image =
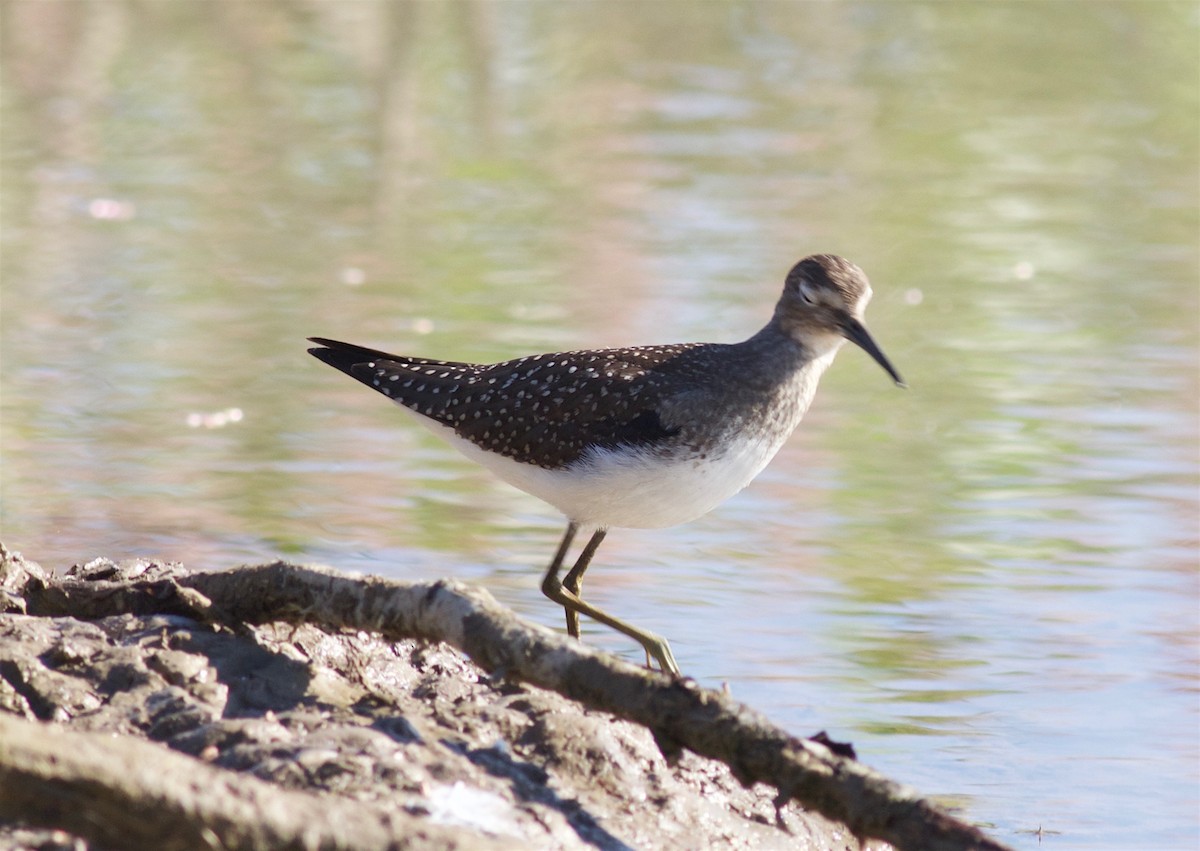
(544, 409)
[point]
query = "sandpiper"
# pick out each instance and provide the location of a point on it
(641, 437)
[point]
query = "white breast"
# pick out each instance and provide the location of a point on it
(631, 488)
(627, 487)
(637, 489)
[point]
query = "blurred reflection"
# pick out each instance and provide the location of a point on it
(1000, 562)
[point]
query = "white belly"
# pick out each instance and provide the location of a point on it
(632, 489)
(640, 490)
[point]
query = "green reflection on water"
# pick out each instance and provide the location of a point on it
(191, 189)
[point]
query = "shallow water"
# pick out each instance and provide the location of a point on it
(988, 582)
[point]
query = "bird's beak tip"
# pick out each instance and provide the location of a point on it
(857, 333)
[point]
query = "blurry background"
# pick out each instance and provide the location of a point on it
(988, 582)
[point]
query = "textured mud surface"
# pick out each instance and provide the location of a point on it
(404, 725)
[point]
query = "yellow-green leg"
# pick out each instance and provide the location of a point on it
(566, 594)
(573, 581)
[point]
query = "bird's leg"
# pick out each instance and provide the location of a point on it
(552, 574)
(553, 588)
(573, 581)
(563, 546)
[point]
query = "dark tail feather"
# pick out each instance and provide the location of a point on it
(346, 356)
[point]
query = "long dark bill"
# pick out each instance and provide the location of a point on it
(857, 333)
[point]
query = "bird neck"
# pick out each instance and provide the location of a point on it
(777, 365)
(791, 352)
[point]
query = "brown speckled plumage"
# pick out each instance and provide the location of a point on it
(648, 436)
(549, 409)
(668, 400)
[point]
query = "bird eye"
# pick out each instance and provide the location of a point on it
(807, 294)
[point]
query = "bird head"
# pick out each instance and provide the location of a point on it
(823, 302)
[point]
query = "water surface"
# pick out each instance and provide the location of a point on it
(988, 582)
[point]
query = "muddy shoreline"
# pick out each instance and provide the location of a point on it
(294, 734)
